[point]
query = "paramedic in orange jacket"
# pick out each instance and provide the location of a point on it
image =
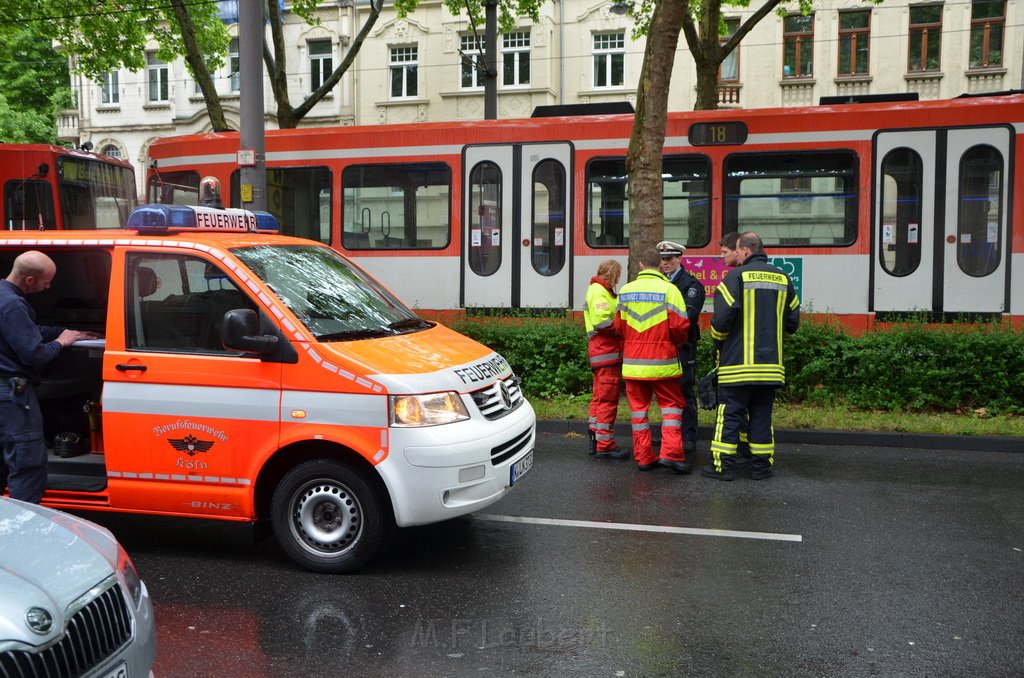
(653, 324)
(604, 350)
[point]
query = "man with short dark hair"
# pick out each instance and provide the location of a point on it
(25, 349)
(754, 305)
(693, 296)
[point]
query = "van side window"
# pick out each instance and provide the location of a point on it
(176, 303)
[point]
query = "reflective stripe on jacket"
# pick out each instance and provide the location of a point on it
(754, 305)
(652, 321)
(604, 346)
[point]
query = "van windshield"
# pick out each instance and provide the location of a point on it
(334, 299)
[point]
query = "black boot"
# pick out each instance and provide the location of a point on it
(725, 470)
(760, 467)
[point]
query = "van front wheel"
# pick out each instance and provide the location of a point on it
(326, 517)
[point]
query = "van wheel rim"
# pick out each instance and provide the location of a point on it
(327, 517)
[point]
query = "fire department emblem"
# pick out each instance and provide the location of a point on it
(190, 445)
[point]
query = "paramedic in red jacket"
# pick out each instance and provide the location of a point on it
(604, 350)
(653, 324)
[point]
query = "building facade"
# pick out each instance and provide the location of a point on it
(422, 67)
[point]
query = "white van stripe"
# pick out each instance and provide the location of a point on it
(336, 409)
(249, 404)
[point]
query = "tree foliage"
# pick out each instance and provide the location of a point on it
(33, 85)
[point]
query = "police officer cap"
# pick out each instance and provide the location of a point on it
(667, 248)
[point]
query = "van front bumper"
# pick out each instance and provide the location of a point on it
(440, 472)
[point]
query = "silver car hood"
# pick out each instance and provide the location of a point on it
(48, 559)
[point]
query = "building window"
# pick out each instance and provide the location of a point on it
(404, 73)
(609, 59)
(797, 46)
(987, 20)
(111, 151)
(472, 56)
(729, 71)
(321, 65)
(109, 90)
(515, 58)
(234, 70)
(925, 38)
(157, 77)
(854, 42)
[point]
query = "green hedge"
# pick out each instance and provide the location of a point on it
(918, 368)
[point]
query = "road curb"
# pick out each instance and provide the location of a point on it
(829, 437)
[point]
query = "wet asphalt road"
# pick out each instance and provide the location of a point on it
(864, 561)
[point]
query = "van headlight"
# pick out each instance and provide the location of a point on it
(430, 409)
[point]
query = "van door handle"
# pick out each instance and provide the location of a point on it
(126, 368)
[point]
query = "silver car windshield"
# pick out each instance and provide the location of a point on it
(333, 298)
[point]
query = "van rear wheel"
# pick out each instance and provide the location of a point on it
(326, 517)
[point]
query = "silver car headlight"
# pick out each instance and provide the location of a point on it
(430, 409)
(130, 577)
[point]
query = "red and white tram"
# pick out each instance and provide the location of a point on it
(875, 208)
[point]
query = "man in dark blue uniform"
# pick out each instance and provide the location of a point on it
(693, 295)
(754, 306)
(25, 349)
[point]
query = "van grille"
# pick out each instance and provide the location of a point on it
(513, 447)
(95, 633)
(491, 402)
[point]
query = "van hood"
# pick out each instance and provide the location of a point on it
(421, 362)
(49, 559)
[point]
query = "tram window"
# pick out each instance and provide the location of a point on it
(94, 195)
(299, 197)
(28, 206)
(396, 206)
(793, 198)
(484, 218)
(548, 249)
(899, 233)
(685, 195)
(174, 188)
(980, 213)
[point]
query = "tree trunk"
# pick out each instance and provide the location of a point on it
(198, 65)
(643, 159)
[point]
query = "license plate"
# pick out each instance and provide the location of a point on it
(119, 671)
(520, 468)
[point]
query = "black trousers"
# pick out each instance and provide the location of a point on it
(23, 468)
(739, 408)
(688, 361)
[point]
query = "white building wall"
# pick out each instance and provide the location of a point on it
(561, 57)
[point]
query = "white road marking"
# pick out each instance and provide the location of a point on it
(632, 527)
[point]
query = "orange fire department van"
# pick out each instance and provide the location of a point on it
(248, 376)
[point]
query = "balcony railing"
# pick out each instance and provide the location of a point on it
(67, 125)
(729, 95)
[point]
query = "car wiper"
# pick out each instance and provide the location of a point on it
(351, 335)
(409, 324)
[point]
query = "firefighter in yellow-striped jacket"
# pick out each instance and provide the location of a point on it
(653, 324)
(604, 351)
(754, 305)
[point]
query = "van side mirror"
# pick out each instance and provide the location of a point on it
(240, 332)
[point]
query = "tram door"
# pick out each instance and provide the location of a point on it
(940, 224)
(516, 226)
